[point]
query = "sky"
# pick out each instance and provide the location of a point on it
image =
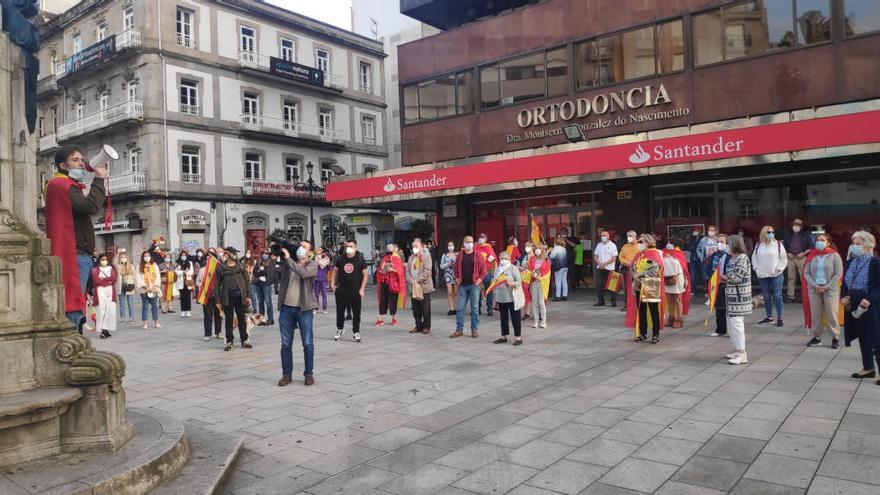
(335, 12)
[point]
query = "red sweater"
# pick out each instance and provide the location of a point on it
(480, 267)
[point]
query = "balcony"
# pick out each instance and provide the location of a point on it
(124, 41)
(47, 84)
(131, 182)
(190, 109)
(191, 178)
(47, 143)
(127, 110)
(260, 62)
(185, 40)
(279, 189)
(259, 123)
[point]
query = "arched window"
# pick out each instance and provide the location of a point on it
(295, 226)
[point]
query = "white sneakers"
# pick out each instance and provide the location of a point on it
(737, 358)
(338, 334)
(357, 337)
(543, 324)
(715, 334)
(535, 324)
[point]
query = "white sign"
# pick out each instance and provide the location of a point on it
(450, 211)
(194, 219)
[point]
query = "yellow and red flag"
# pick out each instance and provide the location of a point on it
(536, 236)
(614, 282)
(207, 288)
(500, 279)
(170, 277)
(714, 282)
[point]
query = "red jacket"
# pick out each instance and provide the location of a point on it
(480, 267)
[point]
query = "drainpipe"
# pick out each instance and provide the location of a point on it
(164, 114)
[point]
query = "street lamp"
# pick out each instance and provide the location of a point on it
(312, 187)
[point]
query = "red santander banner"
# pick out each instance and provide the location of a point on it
(843, 130)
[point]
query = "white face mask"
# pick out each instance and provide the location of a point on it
(515, 242)
(537, 252)
(504, 263)
(301, 252)
(642, 247)
(604, 238)
(167, 260)
(722, 246)
(528, 249)
(711, 233)
(482, 240)
(469, 245)
(146, 259)
(450, 248)
(349, 251)
(631, 238)
(415, 250)
(670, 247)
(796, 229)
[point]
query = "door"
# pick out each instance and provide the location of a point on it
(192, 240)
(255, 237)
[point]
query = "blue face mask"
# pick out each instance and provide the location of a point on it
(264, 257)
(856, 250)
(821, 245)
(77, 174)
(771, 235)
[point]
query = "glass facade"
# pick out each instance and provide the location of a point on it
(861, 16)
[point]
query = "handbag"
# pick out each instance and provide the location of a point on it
(417, 292)
(519, 298)
(651, 290)
(127, 288)
(394, 284)
(670, 280)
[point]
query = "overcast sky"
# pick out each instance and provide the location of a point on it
(336, 12)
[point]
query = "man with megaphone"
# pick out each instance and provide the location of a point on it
(69, 226)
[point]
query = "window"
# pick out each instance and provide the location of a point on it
(464, 92)
(77, 43)
(364, 77)
(322, 60)
(132, 89)
(291, 170)
(189, 96)
(326, 172)
(290, 113)
(670, 47)
(522, 78)
(100, 32)
(190, 170)
(411, 104)
(813, 19)
(437, 98)
(440, 97)
(104, 100)
(368, 129)
(54, 119)
(250, 108)
(707, 42)
(80, 109)
(615, 58)
(248, 42)
(128, 19)
(288, 50)
(490, 92)
(860, 16)
(253, 166)
(325, 122)
(557, 72)
(40, 127)
(185, 28)
(134, 161)
(53, 60)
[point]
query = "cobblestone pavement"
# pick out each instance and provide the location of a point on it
(579, 408)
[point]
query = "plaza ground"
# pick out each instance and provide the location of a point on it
(579, 408)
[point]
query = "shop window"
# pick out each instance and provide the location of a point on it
(670, 47)
(522, 78)
(557, 72)
(813, 21)
(410, 104)
(748, 211)
(437, 98)
(465, 92)
(860, 16)
(490, 92)
(617, 58)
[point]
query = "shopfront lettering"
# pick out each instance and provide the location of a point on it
(402, 185)
(619, 101)
(705, 150)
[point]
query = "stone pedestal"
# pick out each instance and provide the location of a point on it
(57, 394)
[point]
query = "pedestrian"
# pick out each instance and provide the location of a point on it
(348, 282)
(504, 294)
(539, 285)
(769, 261)
(861, 298)
(738, 294)
(205, 280)
(470, 270)
(707, 247)
(797, 243)
(297, 303)
(447, 265)
(523, 265)
(627, 254)
(484, 249)
(104, 278)
(169, 284)
(149, 286)
(580, 264)
(185, 282)
(676, 284)
(693, 248)
(646, 307)
(820, 290)
(324, 268)
(249, 262)
(126, 284)
(719, 264)
(418, 275)
(199, 262)
(263, 289)
(605, 258)
(512, 249)
(231, 295)
(559, 262)
(391, 285)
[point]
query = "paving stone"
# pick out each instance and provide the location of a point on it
(750, 428)
(603, 489)
(668, 450)
(530, 490)
(656, 415)
(853, 467)
(736, 449)
(394, 439)
(603, 452)
(271, 465)
(750, 487)
(602, 416)
(638, 474)
(547, 419)
(712, 473)
(342, 460)
(514, 435)
(832, 486)
(856, 443)
(817, 409)
(801, 446)
(677, 488)
(426, 479)
(335, 441)
(408, 458)
(691, 429)
(806, 425)
(290, 481)
(496, 477)
(576, 404)
(539, 454)
(862, 423)
(574, 434)
(678, 400)
(782, 470)
(567, 477)
(763, 410)
(473, 456)
(357, 480)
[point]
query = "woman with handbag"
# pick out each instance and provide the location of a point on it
(509, 296)
(539, 274)
(148, 283)
(647, 289)
(104, 294)
(391, 283)
(184, 282)
(125, 271)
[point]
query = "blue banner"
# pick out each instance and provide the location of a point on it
(93, 55)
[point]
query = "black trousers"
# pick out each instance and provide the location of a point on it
(352, 304)
(623, 271)
(387, 300)
(601, 278)
(654, 309)
(422, 312)
(235, 309)
(721, 320)
(185, 299)
(211, 316)
(514, 315)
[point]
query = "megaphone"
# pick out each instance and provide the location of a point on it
(106, 154)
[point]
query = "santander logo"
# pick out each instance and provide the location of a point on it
(639, 156)
(389, 186)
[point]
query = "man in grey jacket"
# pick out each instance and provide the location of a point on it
(296, 298)
(418, 273)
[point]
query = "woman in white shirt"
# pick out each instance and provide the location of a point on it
(769, 261)
(674, 285)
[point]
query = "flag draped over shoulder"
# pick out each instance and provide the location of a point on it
(544, 275)
(678, 254)
(399, 265)
(632, 307)
(207, 288)
(170, 278)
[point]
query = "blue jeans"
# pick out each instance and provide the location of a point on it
(771, 289)
(561, 278)
(289, 319)
(153, 302)
(125, 302)
(696, 268)
(254, 297)
(467, 294)
(490, 297)
(264, 296)
(84, 262)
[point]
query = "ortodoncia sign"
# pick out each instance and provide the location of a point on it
(842, 130)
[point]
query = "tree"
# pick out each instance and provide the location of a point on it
(423, 229)
(278, 236)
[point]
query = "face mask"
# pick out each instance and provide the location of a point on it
(223, 258)
(450, 248)
(631, 239)
(821, 245)
(537, 252)
(349, 251)
(604, 238)
(247, 256)
(301, 252)
(515, 242)
(264, 257)
(528, 249)
(642, 247)
(771, 235)
(722, 246)
(416, 250)
(856, 250)
(504, 263)
(199, 255)
(77, 174)
(696, 233)
(482, 240)
(670, 247)
(147, 259)
(103, 262)
(796, 229)
(123, 259)
(183, 258)
(167, 260)
(712, 233)
(469, 245)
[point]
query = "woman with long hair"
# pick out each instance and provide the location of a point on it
(104, 295)
(737, 278)
(185, 282)
(168, 273)
(647, 290)
(769, 261)
(149, 284)
(539, 268)
(125, 270)
(390, 277)
(447, 264)
(820, 290)
(526, 276)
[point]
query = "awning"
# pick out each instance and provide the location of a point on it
(840, 130)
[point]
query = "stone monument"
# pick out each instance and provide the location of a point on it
(57, 394)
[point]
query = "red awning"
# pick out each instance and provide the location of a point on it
(843, 130)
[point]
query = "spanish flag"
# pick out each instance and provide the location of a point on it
(714, 282)
(170, 277)
(536, 236)
(206, 291)
(500, 279)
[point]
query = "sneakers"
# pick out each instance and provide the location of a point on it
(157, 325)
(380, 322)
(105, 334)
(393, 321)
(357, 337)
(207, 339)
(543, 324)
(535, 324)
(814, 342)
(228, 346)
(731, 355)
(339, 334)
(778, 322)
(145, 326)
(740, 358)
(835, 344)
(325, 311)
(766, 320)
(247, 345)
(714, 334)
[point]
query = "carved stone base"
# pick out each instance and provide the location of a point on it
(97, 422)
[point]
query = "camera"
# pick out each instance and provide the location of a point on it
(276, 247)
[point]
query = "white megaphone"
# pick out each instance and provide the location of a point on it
(106, 154)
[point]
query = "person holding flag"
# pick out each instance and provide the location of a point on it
(506, 280)
(539, 285)
(169, 283)
(645, 304)
(820, 290)
(484, 249)
(718, 265)
(512, 249)
(676, 284)
(205, 281)
(526, 275)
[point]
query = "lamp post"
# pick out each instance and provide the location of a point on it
(311, 184)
